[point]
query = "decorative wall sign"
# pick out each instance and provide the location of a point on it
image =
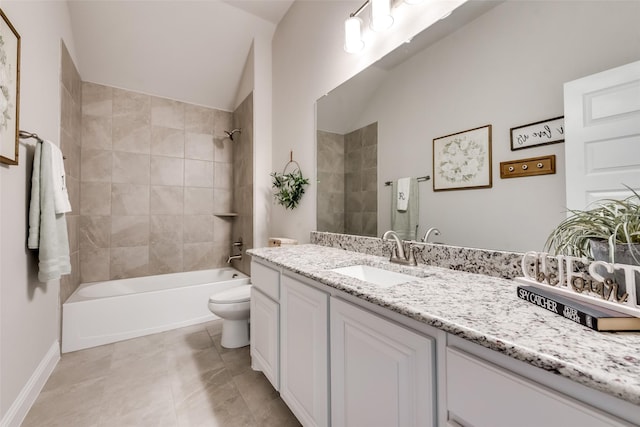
(539, 133)
(462, 160)
(9, 91)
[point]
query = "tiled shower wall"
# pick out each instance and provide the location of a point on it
(348, 181)
(70, 133)
(330, 182)
(243, 182)
(153, 173)
(361, 181)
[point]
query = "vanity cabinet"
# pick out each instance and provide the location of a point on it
(382, 374)
(304, 356)
(480, 394)
(265, 322)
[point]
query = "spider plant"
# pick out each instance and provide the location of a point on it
(616, 222)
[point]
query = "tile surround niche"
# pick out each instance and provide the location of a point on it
(151, 173)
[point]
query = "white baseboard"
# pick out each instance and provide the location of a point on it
(29, 393)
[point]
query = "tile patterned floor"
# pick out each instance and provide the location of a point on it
(179, 378)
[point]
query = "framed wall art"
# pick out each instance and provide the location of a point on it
(9, 91)
(462, 160)
(539, 133)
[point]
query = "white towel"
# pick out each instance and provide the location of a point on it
(403, 193)
(47, 230)
(405, 223)
(60, 194)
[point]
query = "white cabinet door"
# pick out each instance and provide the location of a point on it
(480, 394)
(381, 373)
(304, 351)
(265, 316)
(602, 135)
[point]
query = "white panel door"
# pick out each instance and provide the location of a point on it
(304, 351)
(381, 373)
(602, 135)
(265, 316)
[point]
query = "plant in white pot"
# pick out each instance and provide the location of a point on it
(612, 226)
(610, 231)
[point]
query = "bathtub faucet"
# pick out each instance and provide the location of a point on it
(232, 257)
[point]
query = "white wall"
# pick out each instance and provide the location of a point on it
(506, 69)
(308, 61)
(262, 142)
(29, 318)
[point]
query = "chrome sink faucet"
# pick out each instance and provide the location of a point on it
(430, 231)
(397, 253)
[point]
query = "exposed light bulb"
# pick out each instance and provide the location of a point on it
(381, 18)
(353, 35)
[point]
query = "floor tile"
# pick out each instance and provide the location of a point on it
(182, 377)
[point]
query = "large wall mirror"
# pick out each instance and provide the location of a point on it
(489, 62)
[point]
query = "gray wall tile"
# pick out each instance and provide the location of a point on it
(167, 141)
(198, 173)
(130, 168)
(167, 171)
(129, 199)
(129, 231)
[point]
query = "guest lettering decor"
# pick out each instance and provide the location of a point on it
(539, 133)
(583, 280)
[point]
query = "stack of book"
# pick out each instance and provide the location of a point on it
(589, 315)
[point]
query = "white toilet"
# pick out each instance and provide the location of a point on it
(232, 306)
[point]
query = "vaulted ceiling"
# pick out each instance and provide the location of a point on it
(193, 51)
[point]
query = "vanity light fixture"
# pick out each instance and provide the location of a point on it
(353, 34)
(381, 18)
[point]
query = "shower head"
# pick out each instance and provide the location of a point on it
(230, 133)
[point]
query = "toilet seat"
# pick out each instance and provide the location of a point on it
(236, 294)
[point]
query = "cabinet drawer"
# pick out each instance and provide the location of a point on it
(481, 394)
(266, 279)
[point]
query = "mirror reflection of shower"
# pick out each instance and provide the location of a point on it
(230, 133)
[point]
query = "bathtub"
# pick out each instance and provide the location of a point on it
(104, 312)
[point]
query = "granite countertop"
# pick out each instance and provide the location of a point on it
(484, 310)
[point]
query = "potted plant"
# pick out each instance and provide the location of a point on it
(289, 187)
(610, 231)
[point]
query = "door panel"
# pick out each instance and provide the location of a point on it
(602, 135)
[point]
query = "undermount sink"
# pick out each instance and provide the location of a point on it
(374, 275)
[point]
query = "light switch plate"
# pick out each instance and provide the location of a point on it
(545, 165)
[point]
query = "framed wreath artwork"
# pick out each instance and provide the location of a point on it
(9, 91)
(462, 160)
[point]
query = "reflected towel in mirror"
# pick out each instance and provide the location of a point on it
(402, 194)
(405, 223)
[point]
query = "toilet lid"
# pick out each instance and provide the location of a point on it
(240, 293)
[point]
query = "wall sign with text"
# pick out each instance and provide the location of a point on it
(539, 133)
